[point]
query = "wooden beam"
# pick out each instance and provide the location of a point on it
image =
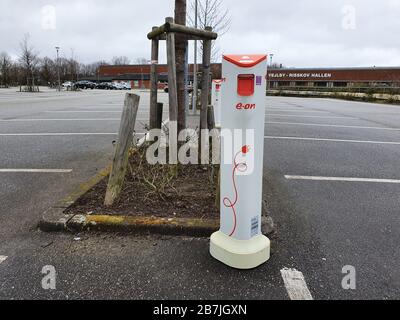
(156, 32)
(154, 82)
(121, 156)
(192, 33)
(187, 37)
(203, 34)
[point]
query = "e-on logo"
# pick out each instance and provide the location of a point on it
(248, 106)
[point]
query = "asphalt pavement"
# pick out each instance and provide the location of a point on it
(313, 150)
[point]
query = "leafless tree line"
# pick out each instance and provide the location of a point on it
(30, 70)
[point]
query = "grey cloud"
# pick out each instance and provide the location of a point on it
(299, 33)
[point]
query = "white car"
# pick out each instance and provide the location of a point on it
(126, 86)
(116, 86)
(67, 84)
(121, 86)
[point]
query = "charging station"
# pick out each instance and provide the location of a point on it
(240, 243)
(216, 101)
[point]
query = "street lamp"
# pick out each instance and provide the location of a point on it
(58, 69)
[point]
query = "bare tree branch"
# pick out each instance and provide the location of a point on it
(120, 61)
(210, 13)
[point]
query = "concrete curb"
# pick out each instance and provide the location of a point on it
(144, 225)
(54, 219)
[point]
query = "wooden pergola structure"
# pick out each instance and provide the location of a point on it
(167, 32)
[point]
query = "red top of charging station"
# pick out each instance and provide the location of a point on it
(245, 61)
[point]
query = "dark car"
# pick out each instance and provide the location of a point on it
(104, 86)
(85, 85)
(189, 89)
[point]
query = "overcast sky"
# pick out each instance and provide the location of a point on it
(300, 33)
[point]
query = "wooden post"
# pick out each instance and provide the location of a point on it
(172, 89)
(205, 88)
(181, 46)
(173, 97)
(121, 156)
(160, 110)
(210, 118)
(154, 82)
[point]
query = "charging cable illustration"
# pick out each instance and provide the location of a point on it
(237, 167)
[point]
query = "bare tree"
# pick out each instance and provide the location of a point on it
(48, 70)
(92, 69)
(29, 61)
(142, 60)
(5, 69)
(180, 52)
(120, 61)
(211, 13)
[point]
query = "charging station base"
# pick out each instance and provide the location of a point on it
(240, 254)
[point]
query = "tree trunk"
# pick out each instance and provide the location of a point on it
(180, 51)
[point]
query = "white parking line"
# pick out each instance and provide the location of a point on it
(302, 111)
(311, 178)
(35, 170)
(88, 119)
(3, 258)
(331, 140)
(62, 134)
(81, 111)
(56, 134)
(330, 125)
(297, 116)
(295, 285)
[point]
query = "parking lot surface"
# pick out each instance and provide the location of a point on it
(331, 180)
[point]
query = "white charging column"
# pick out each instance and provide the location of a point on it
(240, 243)
(216, 101)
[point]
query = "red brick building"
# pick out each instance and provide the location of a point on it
(139, 75)
(334, 77)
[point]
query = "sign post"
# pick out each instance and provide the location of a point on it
(240, 243)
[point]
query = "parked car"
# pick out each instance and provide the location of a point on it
(104, 86)
(85, 85)
(67, 85)
(126, 86)
(190, 89)
(117, 86)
